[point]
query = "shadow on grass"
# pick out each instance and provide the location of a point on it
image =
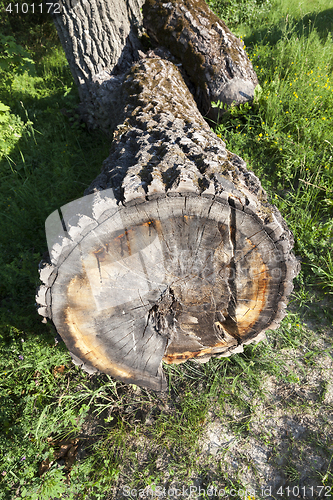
(322, 22)
(51, 164)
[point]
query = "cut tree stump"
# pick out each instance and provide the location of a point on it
(174, 253)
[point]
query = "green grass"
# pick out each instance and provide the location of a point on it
(286, 136)
(130, 437)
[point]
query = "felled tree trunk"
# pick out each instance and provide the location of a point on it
(174, 253)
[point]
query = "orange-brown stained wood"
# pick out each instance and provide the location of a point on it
(85, 340)
(177, 358)
(252, 300)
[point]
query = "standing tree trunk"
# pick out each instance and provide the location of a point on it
(174, 253)
(98, 35)
(101, 40)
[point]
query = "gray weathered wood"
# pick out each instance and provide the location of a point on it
(186, 259)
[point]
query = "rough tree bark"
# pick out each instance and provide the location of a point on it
(97, 36)
(211, 56)
(187, 261)
(102, 39)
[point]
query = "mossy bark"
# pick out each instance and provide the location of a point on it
(213, 58)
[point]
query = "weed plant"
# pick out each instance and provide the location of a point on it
(129, 436)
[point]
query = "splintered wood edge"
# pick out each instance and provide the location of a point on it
(276, 229)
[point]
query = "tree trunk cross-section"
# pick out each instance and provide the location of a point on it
(186, 260)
